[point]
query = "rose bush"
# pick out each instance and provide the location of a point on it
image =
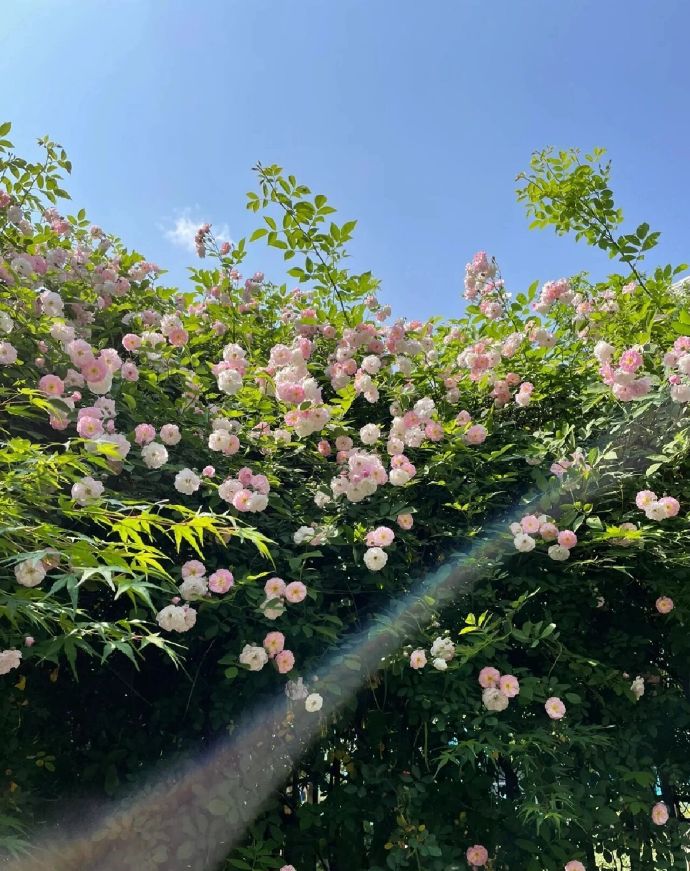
(207, 493)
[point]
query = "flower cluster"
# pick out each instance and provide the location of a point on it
(442, 652)
(622, 377)
(273, 648)
(246, 492)
(473, 433)
(176, 618)
(498, 689)
(362, 475)
(375, 557)
(577, 461)
(677, 364)
(277, 593)
(531, 525)
(655, 508)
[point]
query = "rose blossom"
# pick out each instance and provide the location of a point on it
(489, 677)
(295, 592)
(555, 708)
(664, 605)
(221, 581)
(477, 855)
(274, 643)
(660, 813)
(285, 661)
(417, 659)
(509, 685)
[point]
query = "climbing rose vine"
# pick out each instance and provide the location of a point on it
(207, 493)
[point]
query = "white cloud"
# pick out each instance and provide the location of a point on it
(184, 229)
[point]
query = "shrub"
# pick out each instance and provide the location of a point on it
(380, 593)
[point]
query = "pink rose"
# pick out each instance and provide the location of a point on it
(489, 677)
(295, 592)
(477, 856)
(221, 581)
(567, 538)
(555, 708)
(664, 605)
(285, 661)
(476, 434)
(659, 813)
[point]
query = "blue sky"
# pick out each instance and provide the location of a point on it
(413, 117)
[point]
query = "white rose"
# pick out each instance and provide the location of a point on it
(603, 352)
(494, 699)
(398, 477)
(154, 455)
(637, 687)
(219, 440)
(558, 552)
(30, 572)
(371, 364)
(272, 612)
(524, 543)
(187, 482)
(193, 588)
(87, 490)
(313, 703)
(443, 648)
(176, 618)
(229, 381)
(9, 659)
(254, 657)
(370, 434)
(375, 559)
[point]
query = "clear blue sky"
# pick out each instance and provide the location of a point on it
(413, 116)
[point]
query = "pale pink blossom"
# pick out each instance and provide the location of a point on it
(548, 531)
(382, 536)
(144, 433)
(274, 588)
(554, 708)
(51, 385)
(664, 605)
(489, 677)
(660, 814)
(405, 521)
(285, 661)
(193, 569)
(170, 434)
(509, 685)
(476, 434)
(645, 498)
(417, 659)
(477, 856)
(530, 523)
(295, 592)
(221, 581)
(273, 643)
(670, 505)
(129, 371)
(567, 538)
